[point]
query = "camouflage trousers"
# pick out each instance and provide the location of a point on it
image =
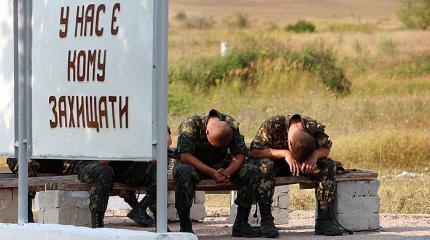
(324, 177)
(186, 177)
(102, 178)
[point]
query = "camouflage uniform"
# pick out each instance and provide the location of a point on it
(192, 139)
(40, 166)
(273, 133)
(103, 177)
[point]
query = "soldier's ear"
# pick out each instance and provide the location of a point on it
(207, 132)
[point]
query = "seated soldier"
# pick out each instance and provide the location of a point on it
(36, 166)
(203, 146)
(295, 145)
(102, 175)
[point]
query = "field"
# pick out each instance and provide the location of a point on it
(361, 73)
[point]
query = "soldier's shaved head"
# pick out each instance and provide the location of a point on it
(219, 133)
(301, 145)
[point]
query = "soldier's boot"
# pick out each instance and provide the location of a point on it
(141, 217)
(268, 229)
(324, 224)
(31, 196)
(185, 221)
(97, 219)
(241, 227)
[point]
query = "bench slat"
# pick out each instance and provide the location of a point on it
(71, 183)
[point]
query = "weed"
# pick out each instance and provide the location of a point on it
(181, 16)
(239, 20)
(199, 23)
(300, 26)
(387, 46)
(350, 27)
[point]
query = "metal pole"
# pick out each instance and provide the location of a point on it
(162, 119)
(22, 141)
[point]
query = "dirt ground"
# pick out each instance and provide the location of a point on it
(393, 226)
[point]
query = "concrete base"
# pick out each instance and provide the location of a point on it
(357, 205)
(198, 210)
(55, 232)
(9, 205)
(64, 207)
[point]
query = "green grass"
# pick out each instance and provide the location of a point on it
(347, 27)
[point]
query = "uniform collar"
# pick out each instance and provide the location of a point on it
(291, 117)
(212, 113)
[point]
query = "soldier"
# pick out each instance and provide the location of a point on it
(102, 175)
(295, 145)
(36, 166)
(211, 147)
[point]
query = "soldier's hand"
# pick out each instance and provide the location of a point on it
(218, 178)
(225, 174)
(294, 165)
(104, 162)
(310, 165)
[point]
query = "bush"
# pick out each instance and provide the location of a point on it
(239, 20)
(322, 63)
(300, 27)
(387, 46)
(414, 13)
(181, 16)
(261, 58)
(199, 23)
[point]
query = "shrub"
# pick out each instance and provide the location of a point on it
(262, 57)
(181, 16)
(300, 27)
(239, 20)
(199, 23)
(322, 63)
(387, 46)
(414, 13)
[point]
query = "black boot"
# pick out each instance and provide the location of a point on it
(185, 221)
(241, 227)
(31, 196)
(97, 219)
(141, 217)
(268, 229)
(324, 224)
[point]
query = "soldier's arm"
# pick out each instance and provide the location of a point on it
(236, 162)
(269, 153)
(189, 158)
(262, 142)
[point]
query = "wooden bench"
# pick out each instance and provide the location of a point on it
(70, 187)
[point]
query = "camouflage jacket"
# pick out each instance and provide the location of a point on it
(192, 139)
(273, 132)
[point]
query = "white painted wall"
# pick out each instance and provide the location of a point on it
(6, 78)
(129, 72)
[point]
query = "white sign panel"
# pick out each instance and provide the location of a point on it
(92, 79)
(7, 134)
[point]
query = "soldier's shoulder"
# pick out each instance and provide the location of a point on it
(232, 121)
(313, 125)
(191, 124)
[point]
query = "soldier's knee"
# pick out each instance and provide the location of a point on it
(183, 172)
(266, 167)
(106, 171)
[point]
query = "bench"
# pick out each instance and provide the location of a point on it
(65, 200)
